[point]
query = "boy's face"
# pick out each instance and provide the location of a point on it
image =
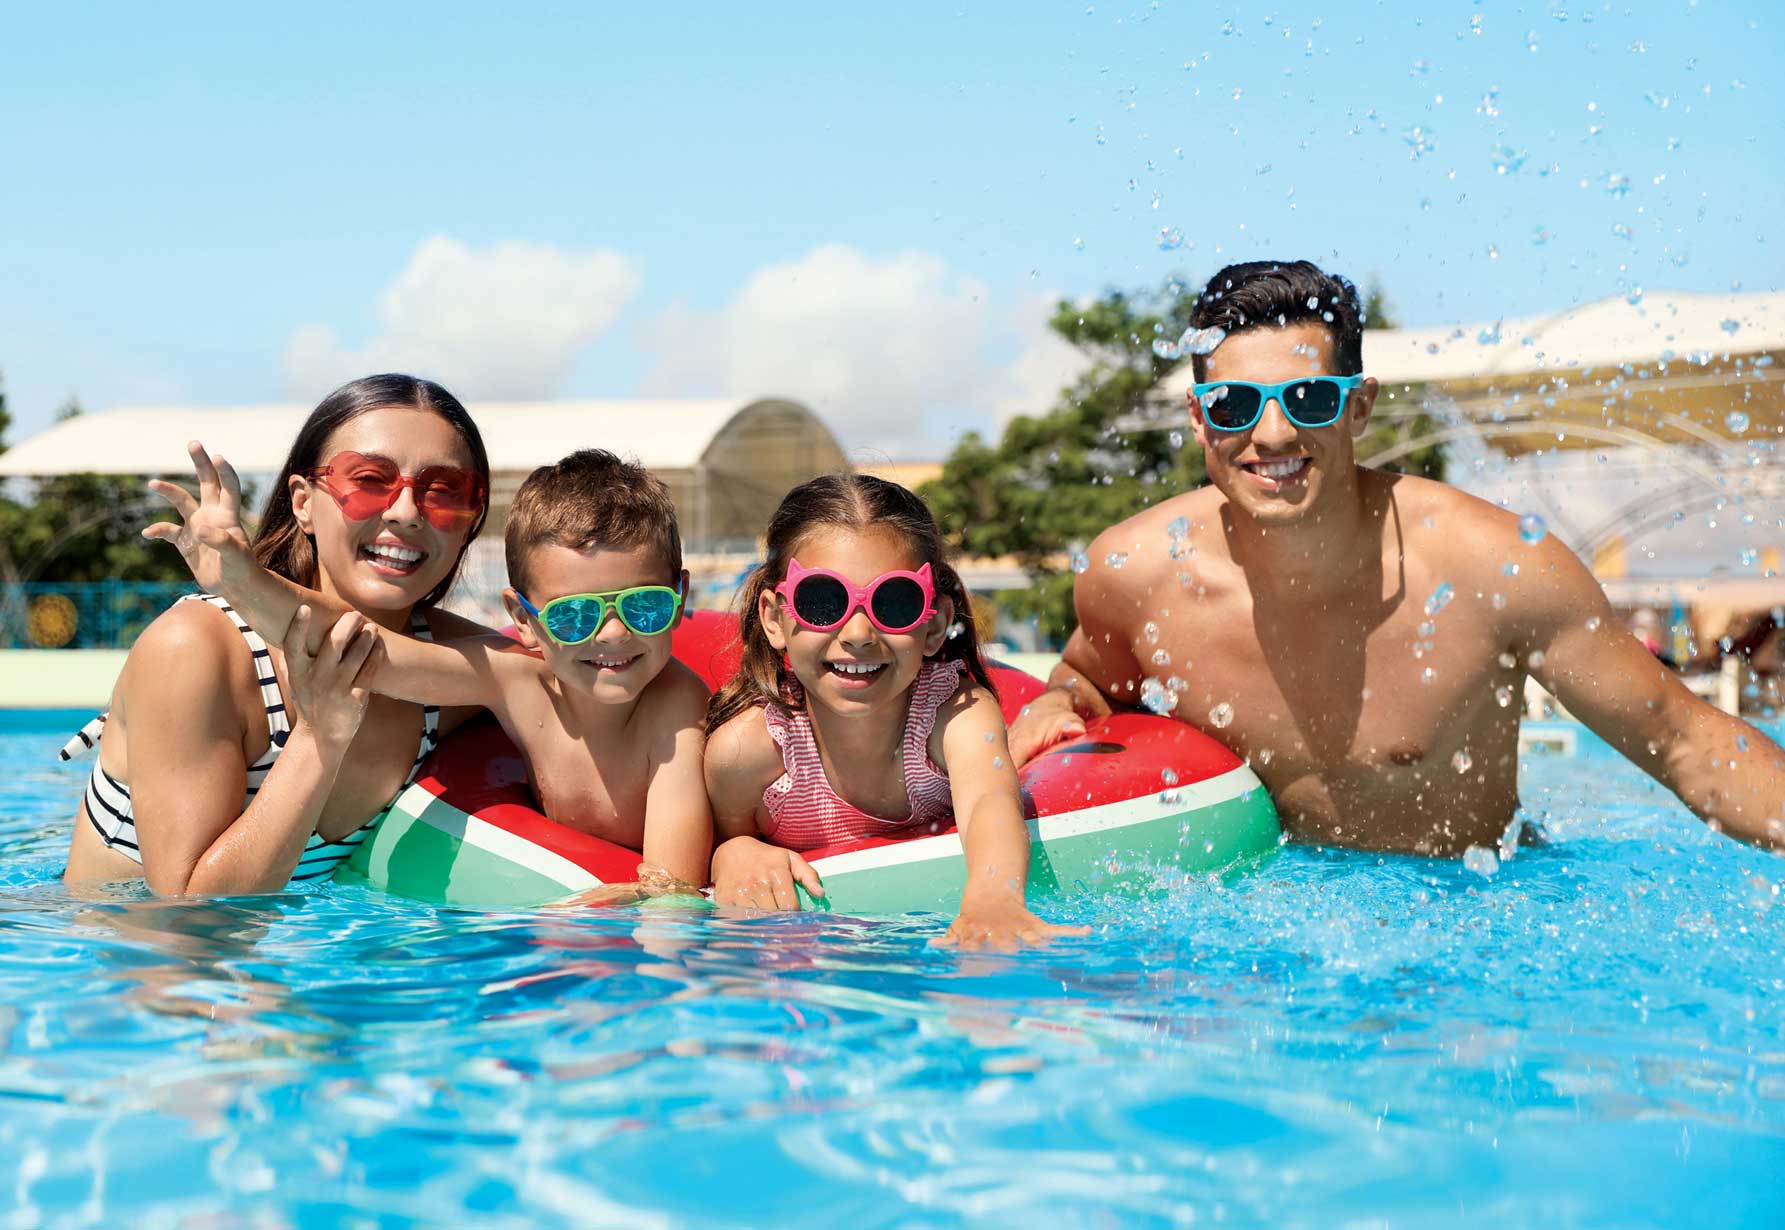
(616, 663)
(1275, 470)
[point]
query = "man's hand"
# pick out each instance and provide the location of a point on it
(209, 534)
(1043, 722)
(750, 872)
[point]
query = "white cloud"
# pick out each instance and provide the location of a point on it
(505, 322)
(898, 353)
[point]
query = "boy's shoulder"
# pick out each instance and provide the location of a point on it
(676, 695)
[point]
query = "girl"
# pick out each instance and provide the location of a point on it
(856, 712)
(231, 766)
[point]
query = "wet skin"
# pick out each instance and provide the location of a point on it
(1297, 602)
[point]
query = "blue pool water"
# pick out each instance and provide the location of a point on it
(1592, 1036)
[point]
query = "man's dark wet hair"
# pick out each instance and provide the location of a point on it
(1271, 294)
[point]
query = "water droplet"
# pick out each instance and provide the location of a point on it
(1151, 632)
(1177, 439)
(1462, 762)
(1503, 695)
(1168, 776)
(1161, 658)
(997, 762)
(1313, 302)
(1617, 185)
(1532, 529)
(1427, 675)
(1593, 624)
(1510, 569)
(1506, 661)
(1167, 350)
(1115, 559)
(1079, 244)
(956, 629)
(1221, 716)
(1156, 698)
(1179, 528)
(1499, 600)
(1736, 422)
(1482, 861)
(1507, 160)
(1080, 561)
(1170, 798)
(1170, 239)
(1265, 754)
(1731, 327)
(1440, 598)
(1535, 661)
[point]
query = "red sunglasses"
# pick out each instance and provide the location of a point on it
(823, 600)
(449, 497)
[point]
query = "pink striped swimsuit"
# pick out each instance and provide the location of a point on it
(804, 813)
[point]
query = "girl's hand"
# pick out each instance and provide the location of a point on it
(999, 920)
(209, 534)
(752, 873)
(329, 689)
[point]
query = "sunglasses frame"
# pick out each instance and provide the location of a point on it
(1274, 392)
(324, 476)
(610, 606)
(861, 597)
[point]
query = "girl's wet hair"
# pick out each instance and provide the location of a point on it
(856, 502)
(280, 543)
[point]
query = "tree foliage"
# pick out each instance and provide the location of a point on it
(1110, 446)
(79, 527)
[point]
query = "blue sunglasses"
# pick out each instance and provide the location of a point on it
(646, 609)
(1311, 401)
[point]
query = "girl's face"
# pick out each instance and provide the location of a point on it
(390, 559)
(855, 667)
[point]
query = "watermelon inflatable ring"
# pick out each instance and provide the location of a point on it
(1137, 801)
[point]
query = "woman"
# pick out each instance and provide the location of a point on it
(229, 766)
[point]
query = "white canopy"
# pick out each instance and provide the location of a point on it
(1607, 333)
(663, 435)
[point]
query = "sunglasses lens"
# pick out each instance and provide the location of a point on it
(898, 603)
(648, 611)
(1313, 403)
(821, 601)
(572, 620)
(1231, 407)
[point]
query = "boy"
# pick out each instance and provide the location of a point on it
(609, 724)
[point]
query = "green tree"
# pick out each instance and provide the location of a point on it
(1107, 449)
(1111, 445)
(80, 527)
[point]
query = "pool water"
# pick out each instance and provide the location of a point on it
(1592, 1035)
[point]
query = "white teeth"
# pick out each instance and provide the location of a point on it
(855, 668)
(1279, 469)
(396, 554)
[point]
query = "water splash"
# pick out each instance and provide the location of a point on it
(1440, 598)
(1532, 529)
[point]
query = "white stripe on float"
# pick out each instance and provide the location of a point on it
(1145, 809)
(487, 837)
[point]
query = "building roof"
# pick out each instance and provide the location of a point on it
(663, 435)
(1605, 333)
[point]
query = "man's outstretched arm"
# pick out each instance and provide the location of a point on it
(1725, 770)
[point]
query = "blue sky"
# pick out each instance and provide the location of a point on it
(868, 208)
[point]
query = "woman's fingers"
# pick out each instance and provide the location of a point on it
(802, 871)
(183, 501)
(230, 483)
(207, 473)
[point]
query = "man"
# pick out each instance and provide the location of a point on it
(1361, 637)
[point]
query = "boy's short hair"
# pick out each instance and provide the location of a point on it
(591, 499)
(1258, 294)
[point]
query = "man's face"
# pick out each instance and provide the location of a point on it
(1274, 471)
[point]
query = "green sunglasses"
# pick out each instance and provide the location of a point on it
(645, 609)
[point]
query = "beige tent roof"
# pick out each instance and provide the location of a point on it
(1607, 333)
(663, 435)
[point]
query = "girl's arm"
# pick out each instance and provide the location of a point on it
(210, 538)
(188, 772)
(988, 810)
(741, 762)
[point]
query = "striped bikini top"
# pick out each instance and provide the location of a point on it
(108, 799)
(804, 813)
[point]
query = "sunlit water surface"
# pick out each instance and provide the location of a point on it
(1594, 1035)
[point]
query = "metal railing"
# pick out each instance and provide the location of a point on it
(82, 615)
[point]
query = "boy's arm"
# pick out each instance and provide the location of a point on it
(211, 540)
(988, 811)
(678, 819)
(1725, 770)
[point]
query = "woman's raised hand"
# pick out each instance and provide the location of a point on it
(209, 534)
(330, 686)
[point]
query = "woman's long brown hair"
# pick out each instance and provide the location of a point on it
(836, 501)
(280, 543)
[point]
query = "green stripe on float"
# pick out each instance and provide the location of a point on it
(430, 850)
(1128, 847)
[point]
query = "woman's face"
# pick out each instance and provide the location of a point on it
(392, 558)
